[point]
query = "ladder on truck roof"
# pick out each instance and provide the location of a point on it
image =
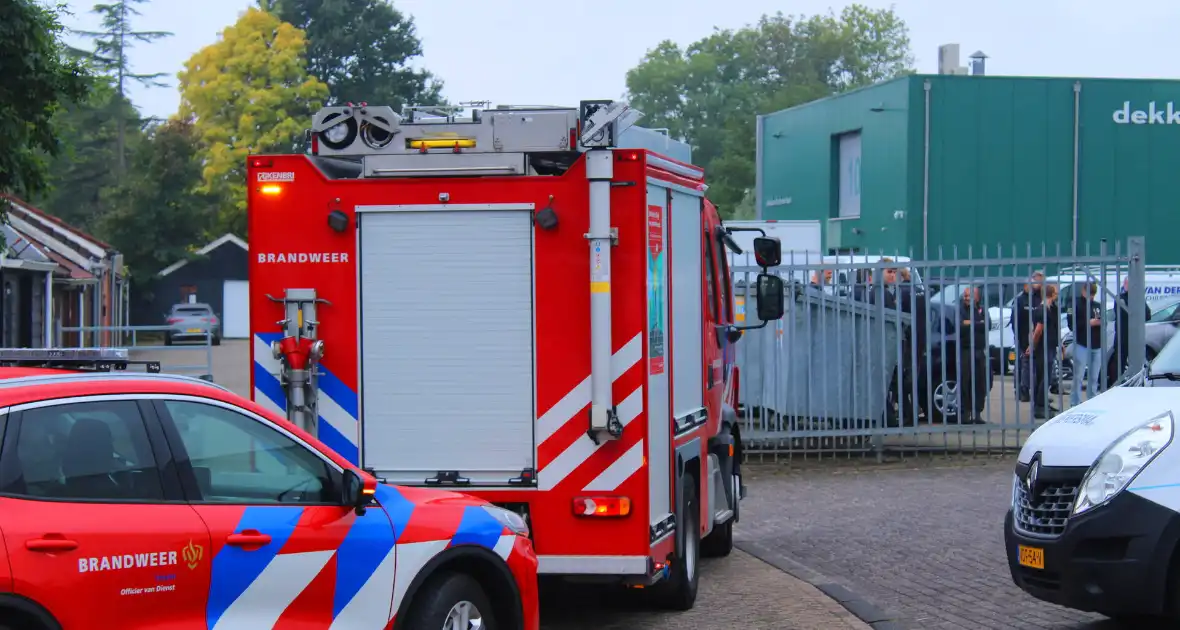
(435, 141)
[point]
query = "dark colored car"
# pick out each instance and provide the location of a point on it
(192, 322)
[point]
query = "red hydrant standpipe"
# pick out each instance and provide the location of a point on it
(300, 351)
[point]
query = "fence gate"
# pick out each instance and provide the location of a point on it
(968, 351)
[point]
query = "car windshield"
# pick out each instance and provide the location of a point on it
(1164, 312)
(1168, 360)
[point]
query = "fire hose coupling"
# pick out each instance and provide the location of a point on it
(299, 352)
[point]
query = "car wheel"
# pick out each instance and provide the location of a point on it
(217, 341)
(451, 600)
(679, 591)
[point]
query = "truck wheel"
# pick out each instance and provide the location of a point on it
(679, 592)
(451, 600)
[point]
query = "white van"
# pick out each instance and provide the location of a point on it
(1094, 522)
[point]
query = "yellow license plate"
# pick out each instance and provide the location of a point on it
(1031, 557)
(194, 330)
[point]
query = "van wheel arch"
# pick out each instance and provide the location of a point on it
(488, 569)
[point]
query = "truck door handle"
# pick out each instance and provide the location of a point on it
(51, 543)
(248, 538)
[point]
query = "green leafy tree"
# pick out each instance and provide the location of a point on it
(248, 93)
(37, 78)
(362, 50)
(81, 172)
(111, 47)
(161, 211)
(710, 92)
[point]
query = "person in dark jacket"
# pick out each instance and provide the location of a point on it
(1021, 323)
(973, 364)
(1086, 323)
(1045, 338)
(1122, 328)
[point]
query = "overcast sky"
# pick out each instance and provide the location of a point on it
(515, 51)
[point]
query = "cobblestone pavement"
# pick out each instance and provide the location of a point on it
(739, 591)
(923, 542)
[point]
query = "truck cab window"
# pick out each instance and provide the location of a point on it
(726, 282)
(710, 279)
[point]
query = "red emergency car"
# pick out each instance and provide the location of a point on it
(134, 500)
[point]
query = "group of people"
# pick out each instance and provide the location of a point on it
(1035, 320)
(1036, 323)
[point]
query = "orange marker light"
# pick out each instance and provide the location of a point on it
(271, 189)
(602, 506)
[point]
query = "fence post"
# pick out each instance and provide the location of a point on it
(1136, 304)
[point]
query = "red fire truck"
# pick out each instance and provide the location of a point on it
(511, 305)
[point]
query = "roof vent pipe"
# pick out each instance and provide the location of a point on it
(978, 61)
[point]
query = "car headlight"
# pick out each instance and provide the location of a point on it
(509, 519)
(1122, 461)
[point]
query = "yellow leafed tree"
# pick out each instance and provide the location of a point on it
(248, 93)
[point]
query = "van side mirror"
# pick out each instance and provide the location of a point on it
(771, 294)
(768, 251)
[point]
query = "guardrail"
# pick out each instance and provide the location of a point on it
(885, 355)
(148, 341)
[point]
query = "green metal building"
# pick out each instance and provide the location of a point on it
(930, 163)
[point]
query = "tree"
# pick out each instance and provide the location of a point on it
(162, 212)
(710, 92)
(37, 78)
(81, 172)
(111, 46)
(248, 93)
(362, 49)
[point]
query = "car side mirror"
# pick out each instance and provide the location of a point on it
(768, 251)
(358, 491)
(771, 295)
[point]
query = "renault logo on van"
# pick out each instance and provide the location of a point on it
(1030, 481)
(1164, 114)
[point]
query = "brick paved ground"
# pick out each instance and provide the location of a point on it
(735, 592)
(924, 544)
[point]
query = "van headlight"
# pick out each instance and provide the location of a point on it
(1122, 461)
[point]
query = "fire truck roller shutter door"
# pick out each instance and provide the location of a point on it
(447, 341)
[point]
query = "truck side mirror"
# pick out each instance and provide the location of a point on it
(771, 295)
(768, 252)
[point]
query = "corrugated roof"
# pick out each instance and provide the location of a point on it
(66, 267)
(43, 217)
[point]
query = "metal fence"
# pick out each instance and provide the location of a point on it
(968, 351)
(193, 356)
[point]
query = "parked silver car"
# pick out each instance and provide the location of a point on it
(192, 322)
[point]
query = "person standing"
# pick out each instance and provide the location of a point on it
(1086, 322)
(1045, 338)
(1021, 323)
(973, 364)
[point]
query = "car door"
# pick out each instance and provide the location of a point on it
(95, 524)
(285, 551)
